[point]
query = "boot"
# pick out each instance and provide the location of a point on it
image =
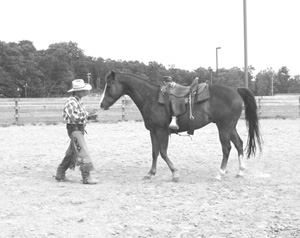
(173, 125)
(64, 165)
(60, 175)
(87, 179)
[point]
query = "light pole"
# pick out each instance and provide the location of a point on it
(25, 86)
(245, 44)
(44, 94)
(217, 48)
(272, 85)
(210, 71)
(89, 79)
(253, 84)
(18, 92)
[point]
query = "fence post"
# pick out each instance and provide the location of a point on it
(299, 106)
(123, 107)
(259, 107)
(16, 110)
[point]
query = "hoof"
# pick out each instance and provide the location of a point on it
(221, 173)
(240, 174)
(175, 179)
(147, 177)
(243, 168)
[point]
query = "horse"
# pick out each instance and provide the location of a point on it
(223, 107)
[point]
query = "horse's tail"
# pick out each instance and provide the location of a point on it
(254, 136)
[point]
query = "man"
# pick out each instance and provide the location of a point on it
(76, 116)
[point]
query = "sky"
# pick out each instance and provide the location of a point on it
(183, 33)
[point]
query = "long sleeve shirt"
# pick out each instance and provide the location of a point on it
(74, 112)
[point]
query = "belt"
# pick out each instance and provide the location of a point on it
(75, 127)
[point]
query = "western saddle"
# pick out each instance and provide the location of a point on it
(182, 96)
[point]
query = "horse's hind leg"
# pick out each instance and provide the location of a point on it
(155, 153)
(238, 143)
(224, 135)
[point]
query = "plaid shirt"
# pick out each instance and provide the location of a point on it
(74, 112)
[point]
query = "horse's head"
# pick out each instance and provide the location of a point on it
(112, 92)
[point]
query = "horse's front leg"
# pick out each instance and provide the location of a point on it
(155, 153)
(163, 138)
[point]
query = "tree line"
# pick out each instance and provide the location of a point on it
(27, 72)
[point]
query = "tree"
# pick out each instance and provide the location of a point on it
(156, 71)
(281, 82)
(264, 82)
(33, 76)
(8, 88)
(50, 72)
(61, 61)
(294, 84)
(19, 68)
(203, 74)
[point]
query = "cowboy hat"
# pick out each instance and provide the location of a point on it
(79, 85)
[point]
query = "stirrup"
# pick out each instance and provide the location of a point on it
(173, 125)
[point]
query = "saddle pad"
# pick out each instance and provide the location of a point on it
(202, 92)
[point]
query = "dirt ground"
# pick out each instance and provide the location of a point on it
(265, 203)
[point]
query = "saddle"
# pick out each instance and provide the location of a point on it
(184, 97)
(180, 91)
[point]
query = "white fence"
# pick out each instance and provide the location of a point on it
(279, 106)
(49, 110)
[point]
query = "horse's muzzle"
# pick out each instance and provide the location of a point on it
(104, 107)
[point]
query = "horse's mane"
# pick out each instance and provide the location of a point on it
(137, 76)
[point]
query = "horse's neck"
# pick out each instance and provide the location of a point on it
(140, 91)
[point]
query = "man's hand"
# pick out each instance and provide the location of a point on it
(92, 116)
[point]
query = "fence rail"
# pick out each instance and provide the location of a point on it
(49, 110)
(279, 106)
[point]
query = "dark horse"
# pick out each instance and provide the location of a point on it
(224, 108)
